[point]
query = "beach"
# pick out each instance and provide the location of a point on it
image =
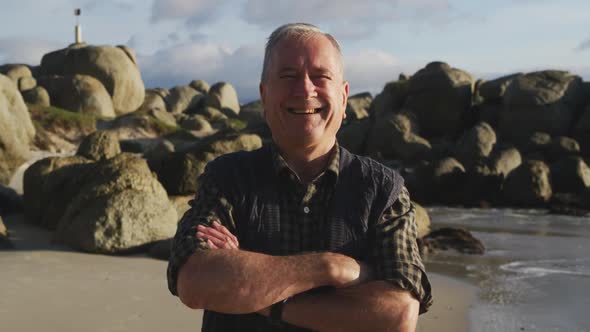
(52, 288)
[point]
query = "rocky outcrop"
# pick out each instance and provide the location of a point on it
(121, 207)
(529, 184)
(224, 97)
(114, 67)
(16, 129)
(448, 238)
(200, 85)
(475, 145)
(79, 93)
(422, 220)
(394, 136)
(570, 175)
(440, 96)
(183, 99)
(504, 160)
(154, 101)
(358, 106)
(37, 96)
(493, 91)
(99, 145)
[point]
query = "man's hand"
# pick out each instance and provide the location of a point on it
(217, 236)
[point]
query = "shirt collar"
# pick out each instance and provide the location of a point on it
(280, 164)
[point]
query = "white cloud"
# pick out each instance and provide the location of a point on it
(583, 45)
(196, 12)
(25, 50)
(178, 65)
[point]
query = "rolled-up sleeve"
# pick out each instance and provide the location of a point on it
(396, 255)
(208, 205)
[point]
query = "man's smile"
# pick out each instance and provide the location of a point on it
(304, 110)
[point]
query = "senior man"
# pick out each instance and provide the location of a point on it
(300, 234)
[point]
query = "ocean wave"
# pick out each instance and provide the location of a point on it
(541, 268)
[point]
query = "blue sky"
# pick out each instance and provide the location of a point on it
(222, 40)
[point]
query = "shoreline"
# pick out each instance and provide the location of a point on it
(67, 290)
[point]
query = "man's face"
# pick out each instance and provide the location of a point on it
(304, 94)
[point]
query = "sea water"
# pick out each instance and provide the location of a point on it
(535, 274)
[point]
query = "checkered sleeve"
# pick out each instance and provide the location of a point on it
(208, 205)
(396, 254)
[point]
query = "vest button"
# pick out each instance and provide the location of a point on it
(306, 210)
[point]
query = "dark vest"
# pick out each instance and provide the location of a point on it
(365, 188)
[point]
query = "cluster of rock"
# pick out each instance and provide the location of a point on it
(519, 140)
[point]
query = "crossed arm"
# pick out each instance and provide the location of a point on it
(253, 282)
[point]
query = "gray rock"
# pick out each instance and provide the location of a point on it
(196, 122)
(16, 71)
(561, 147)
(163, 116)
(475, 144)
(37, 96)
(153, 101)
(440, 96)
(493, 91)
(357, 106)
(200, 85)
(16, 129)
(353, 136)
(224, 97)
(581, 131)
(5, 242)
(10, 201)
(120, 208)
(447, 238)
(504, 161)
(99, 145)
(79, 93)
(422, 220)
(570, 175)
(529, 184)
(391, 99)
(26, 83)
(182, 99)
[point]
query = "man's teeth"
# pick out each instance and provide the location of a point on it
(304, 111)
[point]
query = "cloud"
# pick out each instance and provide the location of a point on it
(584, 45)
(195, 12)
(180, 64)
(344, 18)
(25, 50)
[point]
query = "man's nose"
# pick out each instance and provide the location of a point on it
(304, 87)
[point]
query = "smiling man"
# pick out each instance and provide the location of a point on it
(301, 234)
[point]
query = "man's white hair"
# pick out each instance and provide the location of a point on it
(296, 31)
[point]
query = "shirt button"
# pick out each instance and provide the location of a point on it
(306, 210)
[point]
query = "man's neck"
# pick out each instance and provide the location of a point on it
(307, 161)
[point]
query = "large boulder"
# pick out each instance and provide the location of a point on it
(475, 144)
(182, 99)
(562, 147)
(180, 170)
(529, 184)
(200, 85)
(48, 185)
(353, 136)
(37, 96)
(570, 175)
(394, 136)
(119, 208)
(391, 99)
(422, 220)
(16, 129)
(542, 101)
(99, 145)
(502, 161)
(224, 97)
(79, 93)
(441, 97)
(493, 91)
(10, 201)
(115, 67)
(357, 106)
(582, 131)
(153, 101)
(448, 238)
(16, 72)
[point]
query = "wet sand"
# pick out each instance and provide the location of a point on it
(51, 288)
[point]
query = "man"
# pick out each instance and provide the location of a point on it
(300, 235)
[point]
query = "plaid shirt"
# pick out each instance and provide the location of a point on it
(304, 220)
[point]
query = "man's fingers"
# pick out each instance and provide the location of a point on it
(219, 235)
(225, 231)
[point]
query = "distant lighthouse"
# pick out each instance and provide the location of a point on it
(78, 29)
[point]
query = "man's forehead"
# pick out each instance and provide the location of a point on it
(315, 50)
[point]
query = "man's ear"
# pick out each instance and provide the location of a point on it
(345, 92)
(262, 92)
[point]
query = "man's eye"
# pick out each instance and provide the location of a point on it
(288, 76)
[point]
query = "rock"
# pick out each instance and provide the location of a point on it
(26, 83)
(115, 67)
(475, 145)
(161, 249)
(539, 102)
(353, 136)
(391, 99)
(181, 203)
(440, 96)
(537, 142)
(447, 238)
(196, 122)
(357, 106)
(253, 114)
(37, 96)
(16, 71)
(10, 201)
(4, 240)
(576, 204)
(581, 131)
(180, 170)
(561, 147)
(394, 136)
(448, 177)
(182, 99)
(493, 91)
(570, 175)
(529, 184)
(422, 220)
(153, 101)
(16, 129)
(48, 188)
(164, 117)
(224, 97)
(159, 153)
(79, 93)
(504, 160)
(99, 145)
(119, 208)
(200, 85)
(489, 113)
(213, 115)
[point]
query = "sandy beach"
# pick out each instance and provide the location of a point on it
(51, 288)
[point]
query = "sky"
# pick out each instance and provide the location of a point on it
(177, 41)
